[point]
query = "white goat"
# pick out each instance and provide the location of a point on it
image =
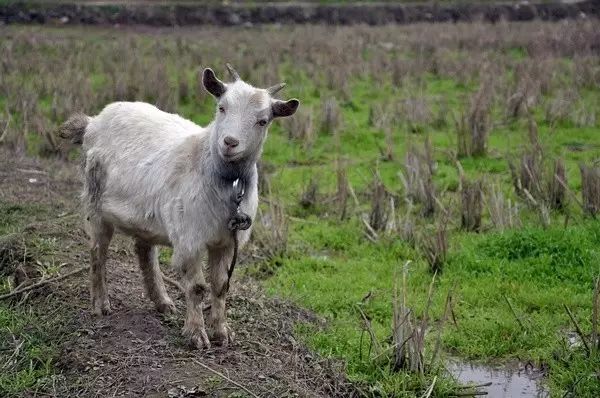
(167, 181)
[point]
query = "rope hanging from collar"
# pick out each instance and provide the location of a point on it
(238, 221)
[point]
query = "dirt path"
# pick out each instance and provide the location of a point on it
(136, 351)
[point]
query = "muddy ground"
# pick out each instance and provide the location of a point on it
(136, 351)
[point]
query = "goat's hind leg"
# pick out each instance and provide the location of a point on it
(155, 288)
(196, 290)
(100, 236)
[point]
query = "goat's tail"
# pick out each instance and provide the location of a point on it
(74, 128)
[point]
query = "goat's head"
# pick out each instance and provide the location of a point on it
(243, 115)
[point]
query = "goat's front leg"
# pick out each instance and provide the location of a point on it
(196, 289)
(219, 260)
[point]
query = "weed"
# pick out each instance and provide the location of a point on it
(300, 127)
(471, 205)
(331, 118)
(379, 215)
(434, 245)
(418, 177)
(270, 235)
(503, 212)
(590, 188)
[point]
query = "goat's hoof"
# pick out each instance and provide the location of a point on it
(102, 308)
(166, 308)
(223, 336)
(198, 339)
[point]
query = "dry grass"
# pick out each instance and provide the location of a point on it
(270, 232)
(417, 177)
(13, 252)
(331, 116)
(557, 193)
(300, 127)
(379, 216)
(407, 338)
(389, 145)
(473, 126)
(409, 333)
(132, 67)
(540, 182)
(308, 198)
(343, 189)
(504, 213)
(434, 246)
(590, 189)
(381, 116)
(527, 177)
(559, 108)
(407, 227)
(415, 113)
(471, 205)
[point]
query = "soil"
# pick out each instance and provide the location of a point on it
(136, 351)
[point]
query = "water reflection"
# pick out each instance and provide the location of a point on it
(507, 381)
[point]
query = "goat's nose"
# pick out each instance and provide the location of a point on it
(231, 142)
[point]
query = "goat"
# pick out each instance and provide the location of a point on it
(165, 180)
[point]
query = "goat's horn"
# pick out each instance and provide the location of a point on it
(232, 72)
(273, 89)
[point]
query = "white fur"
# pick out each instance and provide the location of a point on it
(148, 193)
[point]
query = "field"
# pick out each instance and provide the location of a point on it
(435, 197)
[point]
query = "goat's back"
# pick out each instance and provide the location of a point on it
(142, 152)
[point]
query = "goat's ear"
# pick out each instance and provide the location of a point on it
(212, 84)
(284, 108)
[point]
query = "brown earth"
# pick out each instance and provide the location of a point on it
(136, 351)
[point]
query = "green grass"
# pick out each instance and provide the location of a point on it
(29, 348)
(31, 333)
(537, 270)
(28, 339)
(15, 215)
(331, 267)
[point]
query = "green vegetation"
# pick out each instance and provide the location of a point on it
(30, 335)
(30, 342)
(537, 270)
(372, 98)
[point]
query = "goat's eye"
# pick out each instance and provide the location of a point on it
(262, 123)
(221, 109)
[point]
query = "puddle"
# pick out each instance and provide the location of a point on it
(507, 381)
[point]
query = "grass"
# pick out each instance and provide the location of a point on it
(30, 350)
(31, 334)
(423, 77)
(531, 267)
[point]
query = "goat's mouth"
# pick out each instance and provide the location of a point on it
(230, 156)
